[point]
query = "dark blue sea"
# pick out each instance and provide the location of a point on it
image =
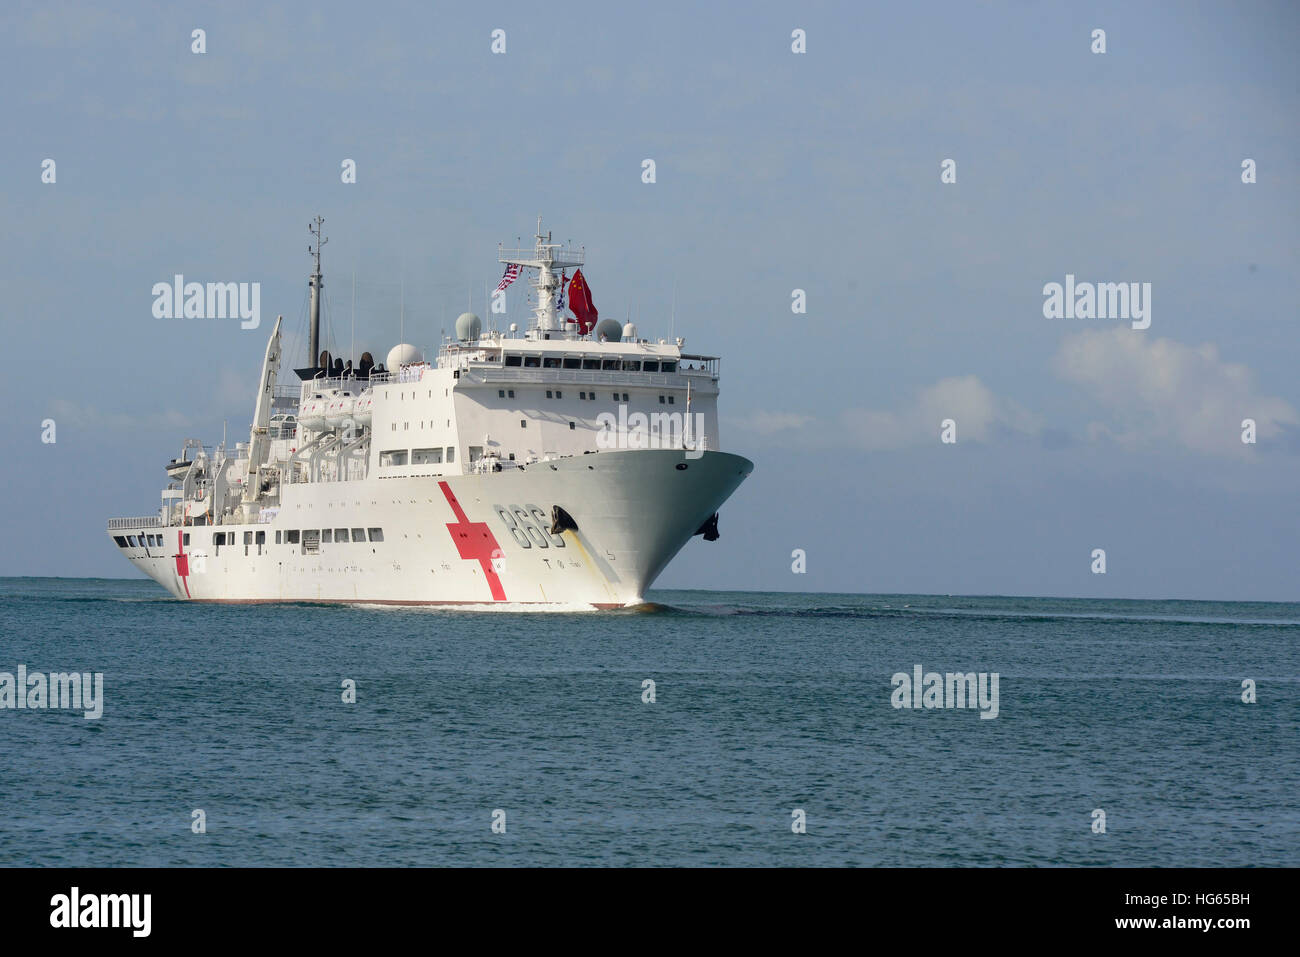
(764, 704)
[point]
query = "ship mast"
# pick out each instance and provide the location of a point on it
(315, 283)
(545, 257)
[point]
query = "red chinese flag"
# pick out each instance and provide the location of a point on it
(581, 304)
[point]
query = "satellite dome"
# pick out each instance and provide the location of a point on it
(468, 327)
(402, 354)
(609, 330)
(629, 331)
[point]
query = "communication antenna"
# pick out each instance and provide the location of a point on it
(672, 315)
(672, 312)
(316, 281)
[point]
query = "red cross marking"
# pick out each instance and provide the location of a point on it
(182, 563)
(474, 540)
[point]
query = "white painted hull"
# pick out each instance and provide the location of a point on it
(634, 510)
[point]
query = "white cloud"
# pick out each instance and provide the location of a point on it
(767, 423)
(98, 419)
(980, 416)
(1161, 390)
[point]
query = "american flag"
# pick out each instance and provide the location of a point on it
(512, 273)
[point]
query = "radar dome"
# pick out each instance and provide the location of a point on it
(468, 327)
(402, 354)
(609, 330)
(629, 331)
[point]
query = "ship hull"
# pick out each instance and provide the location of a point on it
(472, 540)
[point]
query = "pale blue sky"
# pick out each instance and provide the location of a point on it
(775, 171)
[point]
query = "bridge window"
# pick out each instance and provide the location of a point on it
(573, 363)
(376, 534)
(327, 536)
(120, 540)
(291, 537)
(551, 362)
(632, 365)
(426, 456)
(532, 362)
(668, 367)
(358, 534)
(514, 360)
(393, 457)
(451, 453)
(340, 534)
(475, 453)
(611, 364)
(261, 538)
(591, 363)
(649, 366)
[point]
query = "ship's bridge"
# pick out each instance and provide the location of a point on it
(580, 361)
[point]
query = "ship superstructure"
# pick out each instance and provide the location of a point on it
(557, 467)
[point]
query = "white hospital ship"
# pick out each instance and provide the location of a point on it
(550, 468)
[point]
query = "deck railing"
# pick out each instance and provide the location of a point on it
(144, 521)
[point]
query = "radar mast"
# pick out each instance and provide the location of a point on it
(315, 283)
(545, 257)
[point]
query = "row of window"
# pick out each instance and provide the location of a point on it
(401, 396)
(435, 456)
(140, 541)
(584, 396)
(573, 362)
(327, 536)
(291, 537)
(406, 426)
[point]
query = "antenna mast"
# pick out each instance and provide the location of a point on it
(545, 257)
(315, 283)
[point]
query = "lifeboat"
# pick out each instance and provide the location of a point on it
(283, 426)
(177, 468)
(364, 407)
(312, 414)
(338, 409)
